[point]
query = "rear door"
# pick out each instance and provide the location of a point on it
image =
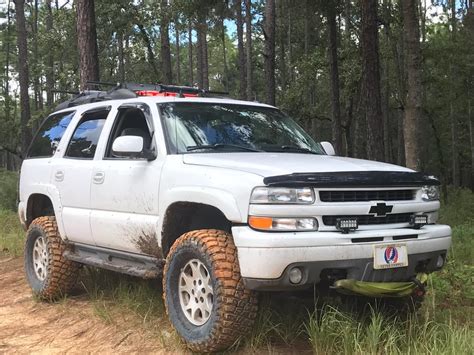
(124, 190)
(72, 175)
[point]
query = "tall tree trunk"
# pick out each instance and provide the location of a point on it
(150, 52)
(36, 60)
(248, 48)
(165, 53)
(203, 65)
(334, 75)
(121, 55)
(240, 50)
(50, 57)
(178, 53)
(282, 45)
(224, 54)
(306, 27)
(23, 74)
(452, 115)
(6, 43)
(371, 79)
(199, 60)
(87, 43)
(269, 51)
(290, 45)
(190, 53)
(413, 107)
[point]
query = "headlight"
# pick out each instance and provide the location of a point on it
(303, 195)
(430, 193)
(283, 224)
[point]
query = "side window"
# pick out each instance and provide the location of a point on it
(49, 134)
(84, 140)
(130, 121)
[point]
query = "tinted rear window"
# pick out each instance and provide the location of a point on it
(48, 136)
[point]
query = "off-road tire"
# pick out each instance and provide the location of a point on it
(61, 273)
(235, 307)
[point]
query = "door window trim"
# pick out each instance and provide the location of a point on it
(149, 121)
(79, 122)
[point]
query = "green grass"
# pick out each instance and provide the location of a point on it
(285, 322)
(11, 234)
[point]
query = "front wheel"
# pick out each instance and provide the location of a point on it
(204, 294)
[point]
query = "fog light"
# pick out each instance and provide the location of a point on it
(295, 275)
(346, 224)
(440, 262)
(418, 220)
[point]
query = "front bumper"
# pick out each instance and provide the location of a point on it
(266, 258)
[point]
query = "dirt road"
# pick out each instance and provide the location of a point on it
(71, 326)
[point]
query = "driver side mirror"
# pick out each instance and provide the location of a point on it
(131, 146)
(328, 148)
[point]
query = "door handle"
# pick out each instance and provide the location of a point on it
(98, 178)
(59, 175)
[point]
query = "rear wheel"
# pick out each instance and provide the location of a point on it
(49, 274)
(204, 294)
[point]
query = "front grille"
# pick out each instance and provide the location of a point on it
(366, 195)
(365, 220)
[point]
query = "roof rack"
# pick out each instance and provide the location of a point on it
(122, 91)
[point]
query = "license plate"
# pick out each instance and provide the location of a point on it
(390, 256)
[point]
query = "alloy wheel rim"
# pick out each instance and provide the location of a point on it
(196, 294)
(40, 258)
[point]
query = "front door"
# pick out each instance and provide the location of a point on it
(72, 175)
(124, 190)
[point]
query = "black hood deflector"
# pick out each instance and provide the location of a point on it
(353, 179)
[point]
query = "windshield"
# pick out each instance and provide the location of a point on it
(201, 127)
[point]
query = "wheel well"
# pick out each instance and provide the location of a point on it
(182, 217)
(38, 205)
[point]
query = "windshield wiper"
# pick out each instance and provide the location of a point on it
(218, 146)
(294, 149)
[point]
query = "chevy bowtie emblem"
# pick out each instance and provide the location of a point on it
(381, 209)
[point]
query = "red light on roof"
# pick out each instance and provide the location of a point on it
(162, 93)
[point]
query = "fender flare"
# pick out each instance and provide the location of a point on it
(220, 199)
(53, 194)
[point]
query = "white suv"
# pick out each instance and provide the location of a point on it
(222, 198)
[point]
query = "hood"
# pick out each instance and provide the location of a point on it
(271, 164)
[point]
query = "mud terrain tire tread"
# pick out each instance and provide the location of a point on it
(62, 273)
(236, 306)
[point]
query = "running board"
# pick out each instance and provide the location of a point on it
(143, 266)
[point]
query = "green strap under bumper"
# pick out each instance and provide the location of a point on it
(380, 289)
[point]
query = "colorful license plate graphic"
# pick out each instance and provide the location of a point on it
(390, 256)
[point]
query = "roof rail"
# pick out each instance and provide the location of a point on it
(122, 91)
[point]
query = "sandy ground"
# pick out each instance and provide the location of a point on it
(70, 326)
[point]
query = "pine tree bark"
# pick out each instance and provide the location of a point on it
(178, 53)
(371, 80)
(240, 50)
(224, 55)
(199, 60)
(167, 76)
(23, 74)
(121, 55)
(202, 57)
(87, 43)
(36, 72)
(269, 51)
(334, 75)
(190, 53)
(49, 59)
(413, 106)
(248, 48)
